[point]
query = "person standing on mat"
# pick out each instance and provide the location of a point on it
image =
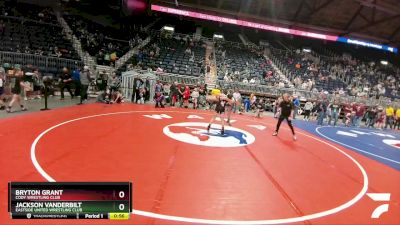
(287, 108)
(307, 110)
(397, 116)
(2, 84)
(17, 85)
(229, 107)
(76, 81)
(84, 80)
(137, 86)
(220, 100)
(296, 103)
(66, 81)
(389, 117)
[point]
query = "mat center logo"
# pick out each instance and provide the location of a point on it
(196, 133)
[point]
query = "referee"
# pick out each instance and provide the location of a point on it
(286, 113)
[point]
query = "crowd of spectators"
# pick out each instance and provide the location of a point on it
(179, 55)
(33, 30)
(351, 114)
(343, 75)
(246, 64)
(76, 81)
(27, 12)
(106, 44)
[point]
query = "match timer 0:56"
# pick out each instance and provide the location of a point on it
(119, 216)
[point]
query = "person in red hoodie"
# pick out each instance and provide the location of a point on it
(360, 110)
(347, 113)
(186, 96)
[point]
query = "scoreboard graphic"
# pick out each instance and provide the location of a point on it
(70, 200)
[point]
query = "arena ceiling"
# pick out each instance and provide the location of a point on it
(377, 20)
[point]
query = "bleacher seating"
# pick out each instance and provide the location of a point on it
(172, 55)
(34, 38)
(27, 12)
(31, 35)
(101, 41)
(250, 63)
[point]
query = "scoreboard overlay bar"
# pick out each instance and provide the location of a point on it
(70, 200)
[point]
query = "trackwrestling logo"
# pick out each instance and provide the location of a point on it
(196, 133)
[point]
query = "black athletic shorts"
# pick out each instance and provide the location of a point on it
(16, 91)
(219, 109)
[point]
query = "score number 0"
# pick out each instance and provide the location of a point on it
(121, 195)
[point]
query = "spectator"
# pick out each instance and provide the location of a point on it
(321, 110)
(17, 85)
(137, 86)
(253, 99)
(114, 83)
(252, 81)
(84, 80)
(359, 114)
(195, 97)
(186, 96)
(174, 93)
(65, 83)
(380, 118)
(370, 117)
(237, 99)
(346, 111)
(202, 93)
(2, 84)
(353, 106)
(389, 117)
(76, 81)
(102, 80)
(296, 105)
(307, 110)
(259, 108)
(158, 87)
(2, 27)
(159, 98)
(141, 96)
(335, 112)
(181, 90)
(397, 119)
(37, 83)
(247, 104)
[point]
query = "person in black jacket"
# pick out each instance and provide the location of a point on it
(137, 85)
(66, 81)
(370, 117)
(174, 93)
(287, 107)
